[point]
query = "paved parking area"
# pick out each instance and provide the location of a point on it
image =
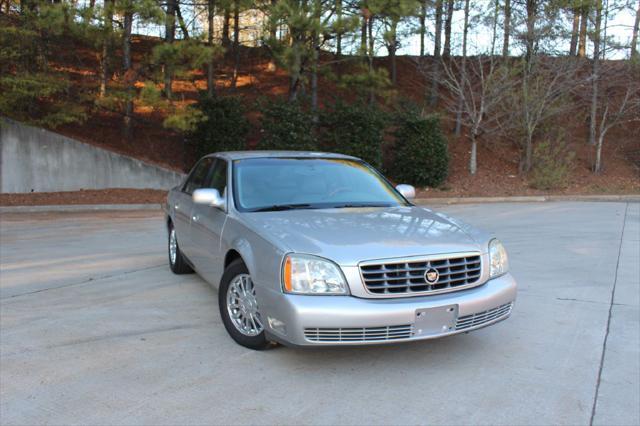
(94, 329)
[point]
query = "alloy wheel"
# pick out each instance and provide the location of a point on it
(242, 306)
(173, 246)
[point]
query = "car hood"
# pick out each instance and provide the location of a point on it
(350, 235)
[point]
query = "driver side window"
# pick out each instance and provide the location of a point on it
(198, 176)
(218, 179)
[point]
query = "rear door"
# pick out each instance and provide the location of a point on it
(207, 224)
(183, 204)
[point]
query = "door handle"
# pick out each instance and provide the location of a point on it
(177, 206)
(195, 218)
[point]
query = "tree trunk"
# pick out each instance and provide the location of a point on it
(437, 42)
(595, 73)
(126, 56)
(106, 43)
(372, 96)
(315, 45)
(183, 25)
(273, 29)
(604, 27)
(225, 27)
(582, 39)
(433, 95)
(314, 81)
(494, 31)
(532, 6)
(463, 68)
(236, 42)
(392, 53)
(573, 48)
(473, 160)
(363, 36)
(169, 37)
(634, 37)
(211, 13)
(88, 16)
(447, 30)
(296, 69)
(598, 165)
(423, 16)
(370, 41)
(507, 28)
(339, 33)
(273, 35)
(528, 154)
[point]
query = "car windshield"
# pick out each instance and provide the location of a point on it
(269, 184)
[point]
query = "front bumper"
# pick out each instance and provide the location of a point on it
(346, 320)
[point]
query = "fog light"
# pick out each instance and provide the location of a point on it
(277, 325)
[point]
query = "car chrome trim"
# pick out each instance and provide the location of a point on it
(404, 333)
(479, 318)
(426, 258)
(364, 334)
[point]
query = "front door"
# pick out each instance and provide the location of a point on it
(207, 224)
(184, 205)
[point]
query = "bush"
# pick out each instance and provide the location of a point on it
(421, 151)
(287, 126)
(220, 125)
(552, 164)
(354, 129)
(30, 89)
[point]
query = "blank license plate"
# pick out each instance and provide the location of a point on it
(432, 321)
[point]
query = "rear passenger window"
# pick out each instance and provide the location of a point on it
(198, 176)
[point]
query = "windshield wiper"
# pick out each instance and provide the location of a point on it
(281, 207)
(354, 205)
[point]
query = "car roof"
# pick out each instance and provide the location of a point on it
(240, 155)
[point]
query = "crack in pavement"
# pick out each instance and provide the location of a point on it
(606, 334)
(570, 299)
(85, 281)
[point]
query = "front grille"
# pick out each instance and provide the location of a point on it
(483, 317)
(409, 277)
(366, 334)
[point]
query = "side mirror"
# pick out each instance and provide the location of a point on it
(407, 191)
(208, 196)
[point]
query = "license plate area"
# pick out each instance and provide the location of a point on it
(433, 321)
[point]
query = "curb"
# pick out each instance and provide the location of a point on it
(80, 208)
(529, 199)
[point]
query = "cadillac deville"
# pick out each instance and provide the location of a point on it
(314, 249)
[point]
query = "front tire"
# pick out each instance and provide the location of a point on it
(239, 307)
(177, 262)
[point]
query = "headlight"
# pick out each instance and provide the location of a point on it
(498, 259)
(304, 274)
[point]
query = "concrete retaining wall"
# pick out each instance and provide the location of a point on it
(37, 160)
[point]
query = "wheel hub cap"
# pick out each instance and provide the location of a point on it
(173, 246)
(243, 306)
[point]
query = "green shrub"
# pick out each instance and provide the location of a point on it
(287, 126)
(354, 129)
(30, 90)
(220, 124)
(421, 155)
(552, 164)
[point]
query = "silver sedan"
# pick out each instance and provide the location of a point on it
(310, 249)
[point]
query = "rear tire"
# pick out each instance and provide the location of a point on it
(239, 308)
(177, 262)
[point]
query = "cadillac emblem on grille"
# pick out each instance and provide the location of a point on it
(431, 275)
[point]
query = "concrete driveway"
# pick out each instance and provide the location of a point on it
(96, 330)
